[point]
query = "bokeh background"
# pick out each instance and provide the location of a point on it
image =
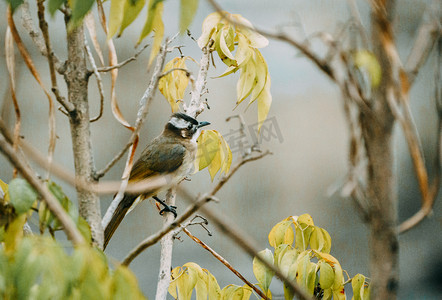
(309, 146)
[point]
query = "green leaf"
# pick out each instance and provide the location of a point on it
(125, 285)
(188, 9)
(261, 272)
(22, 195)
(131, 11)
(54, 5)
(85, 229)
(79, 8)
(326, 276)
(115, 16)
(15, 4)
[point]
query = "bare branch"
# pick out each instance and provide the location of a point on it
(98, 78)
(123, 63)
(166, 251)
(53, 204)
(196, 105)
(426, 37)
(51, 57)
(38, 40)
(224, 262)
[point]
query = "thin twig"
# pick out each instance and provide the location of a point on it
(123, 63)
(224, 262)
(426, 37)
(53, 204)
(69, 107)
(98, 78)
(38, 40)
(153, 239)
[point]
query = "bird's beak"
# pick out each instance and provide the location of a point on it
(203, 123)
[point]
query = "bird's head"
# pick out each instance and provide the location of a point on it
(184, 126)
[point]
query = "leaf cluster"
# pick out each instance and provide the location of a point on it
(37, 266)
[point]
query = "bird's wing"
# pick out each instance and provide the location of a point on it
(158, 160)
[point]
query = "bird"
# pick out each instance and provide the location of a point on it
(173, 153)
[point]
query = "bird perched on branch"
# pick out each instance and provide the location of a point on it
(171, 153)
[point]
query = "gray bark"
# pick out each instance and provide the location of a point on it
(77, 83)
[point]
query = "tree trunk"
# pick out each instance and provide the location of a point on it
(77, 83)
(381, 190)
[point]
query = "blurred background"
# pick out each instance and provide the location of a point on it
(308, 138)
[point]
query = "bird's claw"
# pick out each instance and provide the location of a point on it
(169, 208)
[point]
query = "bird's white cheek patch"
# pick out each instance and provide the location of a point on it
(179, 123)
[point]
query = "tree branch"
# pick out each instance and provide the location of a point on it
(123, 63)
(38, 40)
(49, 53)
(426, 37)
(224, 262)
(53, 204)
(97, 77)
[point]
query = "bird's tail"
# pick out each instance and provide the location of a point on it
(117, 217)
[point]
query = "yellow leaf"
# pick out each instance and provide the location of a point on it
(14, 233)
(208, 147)
(188, 9)
(261, 272)
(214, 291)
(288, 261)
(215, 165)
(357, 283)
(222, 48)
(264, 102)
(4, 191)
(306, 219)
(115, 16)
(174, 84)
(226, 155)
(320, 240)
(256, 39)
(154, 23)
(281, 233)
(131, 11)
(243, 52)
(208, 28)
(339, 277)
(261, 76)
(246, 81)
(232, 292)
(365, 60)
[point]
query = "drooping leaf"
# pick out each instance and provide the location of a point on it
(208, 147)
(264, 102)
(226, 155)
(215, 165)
(173, 85)
(14, 4)
(246, 81)
(4, 191)
(261, 71)
(208, 28)
(261, 272)
(131, 11)
(79, 8)
(22, 195)
(256, 40)
(115, 16)
(54, 5)
(188, 9)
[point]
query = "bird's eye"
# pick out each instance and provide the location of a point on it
(189, 127)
